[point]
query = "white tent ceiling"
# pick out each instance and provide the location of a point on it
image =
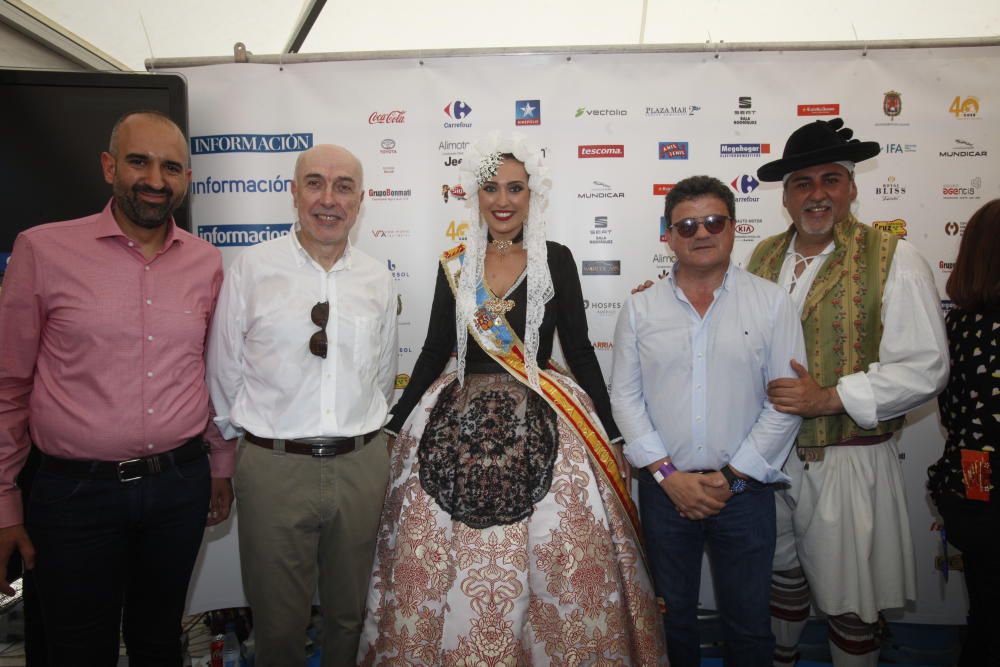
(130, 31)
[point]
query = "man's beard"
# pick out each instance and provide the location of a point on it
(145, 214)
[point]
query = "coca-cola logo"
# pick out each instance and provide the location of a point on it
(394, 116)
(744, 228)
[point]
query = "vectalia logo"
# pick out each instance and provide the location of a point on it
(745, 184)
(584, 111)
(227, 236)
(601, 150)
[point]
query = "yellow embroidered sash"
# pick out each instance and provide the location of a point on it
(499, 340)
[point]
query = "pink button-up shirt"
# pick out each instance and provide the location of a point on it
(102, 350)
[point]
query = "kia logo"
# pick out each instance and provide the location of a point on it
(744, 228)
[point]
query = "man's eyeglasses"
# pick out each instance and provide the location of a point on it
(688, 226)
(320, 316)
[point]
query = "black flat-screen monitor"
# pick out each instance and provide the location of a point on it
(53, 127)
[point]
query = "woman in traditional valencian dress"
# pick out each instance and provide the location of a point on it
(508, 536)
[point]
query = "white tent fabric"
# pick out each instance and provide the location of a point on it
(130, 31)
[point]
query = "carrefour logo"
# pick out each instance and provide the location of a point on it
(745, 184)
(226, 236)
(457, 110)
(251, 143)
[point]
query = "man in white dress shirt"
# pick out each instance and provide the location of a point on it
(302, 367)
(692, 358)
(876, 349)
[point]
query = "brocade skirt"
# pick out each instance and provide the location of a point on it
(501, 543)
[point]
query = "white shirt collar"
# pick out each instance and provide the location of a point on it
(826, 251)
(302, 257)
(725, 278)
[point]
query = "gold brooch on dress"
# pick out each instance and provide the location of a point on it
(499, 306)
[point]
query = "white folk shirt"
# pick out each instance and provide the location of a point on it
(695, 388)
(913, 352)
(261, 374)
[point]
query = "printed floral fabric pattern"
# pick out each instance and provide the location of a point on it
(487, 452)
(563, 586)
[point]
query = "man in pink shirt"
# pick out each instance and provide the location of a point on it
(103, 322)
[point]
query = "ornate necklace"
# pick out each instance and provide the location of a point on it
(495, 305)
(503, 245)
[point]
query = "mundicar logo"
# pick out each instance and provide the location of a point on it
(251, 143)
(227, 236)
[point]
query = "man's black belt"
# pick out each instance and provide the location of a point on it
(314, 446)
(128, 470)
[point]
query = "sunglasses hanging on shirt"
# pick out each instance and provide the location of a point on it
(320, 316)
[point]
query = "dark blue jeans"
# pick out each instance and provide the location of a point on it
(107, 547)
(740, 543)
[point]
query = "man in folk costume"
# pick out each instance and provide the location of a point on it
(876, 348)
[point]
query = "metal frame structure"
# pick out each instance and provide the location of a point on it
(714, 48)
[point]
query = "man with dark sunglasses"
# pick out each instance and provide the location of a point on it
(692, 358)
(302, 367)
(877, 349)
(103, 322)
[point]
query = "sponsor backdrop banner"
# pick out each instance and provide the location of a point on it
(617, 132)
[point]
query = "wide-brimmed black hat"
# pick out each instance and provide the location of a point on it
(819, 142)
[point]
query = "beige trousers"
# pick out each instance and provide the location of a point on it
(306, 522)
